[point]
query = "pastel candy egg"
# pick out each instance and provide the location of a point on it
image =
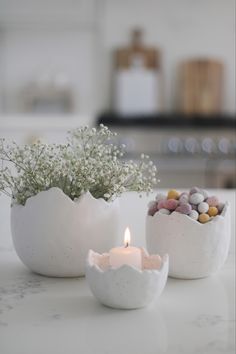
(164, 211)
(160, 196)
(152, 211)
(203, 207)
(184, 208)
(171, 204)
(196, 198)
(183, 193)
(213, 211)
(213, 201)
(152, 204)
(193, 215)
(220, 207)
(173, 194)
(204, 193)
(203, 218)
(194, 207)
(184, 198)
(194, 190)
(161, 204)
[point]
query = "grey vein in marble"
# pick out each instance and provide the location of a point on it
(208, 320)
(12, 293)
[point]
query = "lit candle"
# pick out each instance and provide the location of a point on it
(126, 255)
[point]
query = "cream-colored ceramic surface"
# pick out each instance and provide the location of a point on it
(52, 234)
(126, 287)
(196, 250)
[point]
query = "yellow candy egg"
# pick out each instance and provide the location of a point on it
(173, 194)
(203, 218)
(212, 211)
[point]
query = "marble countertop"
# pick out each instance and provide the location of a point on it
(50, 315)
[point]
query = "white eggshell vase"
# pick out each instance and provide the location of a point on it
(126, 287)
(52, 234)
(196, 250)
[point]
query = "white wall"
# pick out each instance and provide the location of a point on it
(182, 29)
(78, 37)
(29, 54)
(44, 38)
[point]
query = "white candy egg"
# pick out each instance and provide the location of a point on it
(204, 193)
(196, 198)
(164, 211)
(203, 207)
(193, 215)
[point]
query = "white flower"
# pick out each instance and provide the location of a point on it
(88, 162)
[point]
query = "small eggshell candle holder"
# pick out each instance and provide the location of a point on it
(126, 287)
(196, 250)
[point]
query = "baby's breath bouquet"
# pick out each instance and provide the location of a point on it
(89, 161)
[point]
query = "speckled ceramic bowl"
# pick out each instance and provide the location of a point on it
(126, 287)
(196, 250)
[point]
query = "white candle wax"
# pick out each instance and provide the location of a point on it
(125, 255)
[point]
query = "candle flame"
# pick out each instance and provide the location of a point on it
(127, 237)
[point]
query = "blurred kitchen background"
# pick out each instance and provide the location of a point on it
(159, 72)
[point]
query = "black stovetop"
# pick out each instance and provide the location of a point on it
(169, 120)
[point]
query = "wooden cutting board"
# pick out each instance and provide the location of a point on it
(200, 86)
(125, 57)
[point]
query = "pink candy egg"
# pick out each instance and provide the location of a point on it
(184, 208)
(213, 201)
(171, 204)
(161, 204)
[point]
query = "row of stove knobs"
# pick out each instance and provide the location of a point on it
(206, 146)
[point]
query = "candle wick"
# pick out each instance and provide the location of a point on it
(127, 244)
